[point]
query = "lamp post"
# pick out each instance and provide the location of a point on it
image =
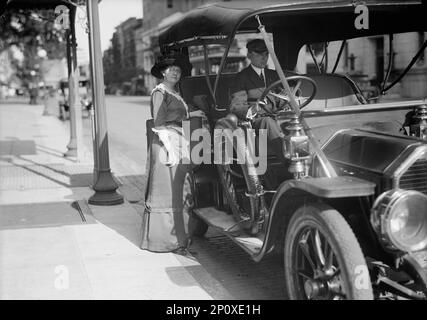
(76, 127)
(105, 187)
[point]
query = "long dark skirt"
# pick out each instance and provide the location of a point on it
(168, 203)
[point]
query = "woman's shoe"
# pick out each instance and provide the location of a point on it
(182, 251)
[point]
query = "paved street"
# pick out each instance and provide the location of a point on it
(40, 230)
(126, 118)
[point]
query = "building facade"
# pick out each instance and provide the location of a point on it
(158, 15)
(139, 48)
(121, 59)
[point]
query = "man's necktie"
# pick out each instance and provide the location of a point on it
(261, 75)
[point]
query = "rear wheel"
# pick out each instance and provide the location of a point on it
(241, 184)
(322, 257)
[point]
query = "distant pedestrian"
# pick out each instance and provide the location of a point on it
(34, 92)
(168, 197)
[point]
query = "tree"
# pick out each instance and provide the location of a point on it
(33, 32)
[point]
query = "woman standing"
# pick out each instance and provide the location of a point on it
(168, 196)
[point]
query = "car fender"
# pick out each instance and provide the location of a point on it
(292, 194)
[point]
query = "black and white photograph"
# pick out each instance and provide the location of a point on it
(213, 155)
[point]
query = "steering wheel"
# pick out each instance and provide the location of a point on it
(280, 95)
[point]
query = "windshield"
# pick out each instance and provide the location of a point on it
(236, 57)
(373, 64)
(366, 61)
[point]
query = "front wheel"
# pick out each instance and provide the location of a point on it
(322, 257)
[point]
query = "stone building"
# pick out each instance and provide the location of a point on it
(158, 15)
(126, 38)
(120, 59)
(139, 48)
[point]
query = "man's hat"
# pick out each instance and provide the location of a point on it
(257, 45)
(173, 59)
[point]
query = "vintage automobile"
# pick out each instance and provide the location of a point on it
(349, 215)
(85, 99)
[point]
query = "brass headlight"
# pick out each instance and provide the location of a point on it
(399, 218)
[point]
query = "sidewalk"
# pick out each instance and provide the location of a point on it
(53, 245)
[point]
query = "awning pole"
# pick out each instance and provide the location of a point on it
(327, 167)
(207, 72)
(105, 187)
(390, 62)
(75, 109)
(339, 56)
(314, 58)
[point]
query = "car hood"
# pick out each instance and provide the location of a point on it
(370, 150)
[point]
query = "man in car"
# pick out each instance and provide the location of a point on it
(249, 85)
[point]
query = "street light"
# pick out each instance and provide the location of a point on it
(105, 187)
(41, 53)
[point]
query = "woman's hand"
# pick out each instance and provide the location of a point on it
(164, 137)
(198, 113)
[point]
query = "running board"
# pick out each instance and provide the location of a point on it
(226, 225)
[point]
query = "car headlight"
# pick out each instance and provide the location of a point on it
(399, 218)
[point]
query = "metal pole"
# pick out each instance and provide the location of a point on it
(314, 58)
(76, 128)
(339, 56)
(69, 65)
(105, 187)
(94, 143)
(329, 170)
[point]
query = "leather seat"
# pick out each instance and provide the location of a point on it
(195, 92)
(333, 90)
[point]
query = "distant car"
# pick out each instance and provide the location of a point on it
(19, 92)
(85, 100)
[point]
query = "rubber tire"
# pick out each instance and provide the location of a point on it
(342, 240)
(196, 226)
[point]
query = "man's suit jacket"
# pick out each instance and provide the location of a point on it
(248, 88)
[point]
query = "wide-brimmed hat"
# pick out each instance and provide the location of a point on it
(173, 59)
(257, 45)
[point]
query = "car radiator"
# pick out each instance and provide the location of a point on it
(415, 178)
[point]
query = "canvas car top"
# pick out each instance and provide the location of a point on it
(306, 21)
(39, 4)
